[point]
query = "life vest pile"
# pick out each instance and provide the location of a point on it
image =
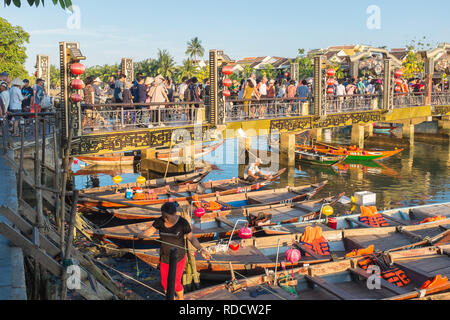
(208, 206)
(433, 219)
(313, 239)
(371, 217)
(361, 252)
(391, 274)
(145, 196)
(434, 283)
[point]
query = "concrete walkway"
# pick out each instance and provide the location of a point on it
(12, 274)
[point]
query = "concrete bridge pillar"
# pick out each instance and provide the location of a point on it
(408, 132)
(148, 154)
(316, 134)
(287, 149)
(444, 123)
(358, 136)
(369, 130)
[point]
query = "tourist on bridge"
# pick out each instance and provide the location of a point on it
(173, 230)
(182, 88)
(118, 89)
(253, 173)
(4, 99)
(27, 93)
(4, 76)
(15, 104)
(157, 93)
(38, 95)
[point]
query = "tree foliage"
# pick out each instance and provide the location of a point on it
(12, 49)
(305, 65)
(103, 72)
(414, 64)
(166, 63)
(55, 80)
(18, 3)
(195, 49)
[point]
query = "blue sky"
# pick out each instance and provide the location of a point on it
(114, 29)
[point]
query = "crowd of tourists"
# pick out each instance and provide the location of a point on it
(18, 96)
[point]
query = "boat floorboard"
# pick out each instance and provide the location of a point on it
(271, 197)
(244, 255)
(383, 242)
(437, 210)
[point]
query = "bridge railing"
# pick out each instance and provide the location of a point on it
(126, 117)
(405, 100)
(442, 98)
(352, 103)
(238, 110)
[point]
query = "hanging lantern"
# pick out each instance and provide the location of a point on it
(227, 70)
(199, 212)
(141, 180)
(398, 73)
(327, 211)
(330, 82)
(331, 72)
(75, 161)
(330, 90)
(397, 89)
(117, 179)
(398, 82)
(77, 84)
(226, 93)
(245, 233)
(77, 69)
(227, 82)
(234, 246)
(76, 98)
(293, 255)
(287, 74)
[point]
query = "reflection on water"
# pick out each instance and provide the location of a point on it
(415, 177)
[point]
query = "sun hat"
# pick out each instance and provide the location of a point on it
(149, 81)
(17, 82)
(97, 80)
(3, 84)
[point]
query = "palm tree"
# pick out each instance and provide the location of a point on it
(147, 67)
(195, 49)
(166, 64)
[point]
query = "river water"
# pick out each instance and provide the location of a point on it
(417, 176)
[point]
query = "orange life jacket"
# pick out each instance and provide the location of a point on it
(396, 276)
(435, 282)
(145, 196)
(361, 252)
(313, 239)
(371, 217)
(208, 206)
(432, 219)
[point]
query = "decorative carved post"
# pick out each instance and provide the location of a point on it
(429, 72)
(319, 93)
(388, 89)
(295, 72)
(43, 70)
(127, 68)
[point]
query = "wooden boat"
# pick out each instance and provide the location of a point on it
(105, 170)
(352, 153)
(173, 155)
(190, 178)
(384, 129)
(199, 187)
(221, 227)
(258, 254)
(340, 280)
(320, 159)
(108, 161)
(232, 203)
(180, 198)
(395, 217)
(370, 166)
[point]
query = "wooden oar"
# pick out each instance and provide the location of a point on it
(393, 219)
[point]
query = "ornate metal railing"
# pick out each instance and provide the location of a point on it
(352, 103)
(405, 100)
(125, 117)
(438, 99)
(238, 110)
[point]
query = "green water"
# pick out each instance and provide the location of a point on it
(415, 177)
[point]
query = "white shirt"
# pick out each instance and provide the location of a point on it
(182, 88)
(263, 89)
(340, 90)
(5, 98)
(16, 98)
(253, 169)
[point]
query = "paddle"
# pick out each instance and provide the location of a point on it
(132, 205)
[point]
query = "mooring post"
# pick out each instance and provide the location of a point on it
(44, 125)
(170, 295)
(22, 146)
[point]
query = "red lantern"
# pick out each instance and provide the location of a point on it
(227, 70)
(234, 246)
(331, 72)
(330, 82)
(77, 84)
(76, 98)
(287, 74)
(398, 82)
(330, 90)
(399, 73)
(293, 255)
(199, 212)
(397, 89)
(75, 161)
(227, 82)
(226, 93)
(77, 69)
(245, 233)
